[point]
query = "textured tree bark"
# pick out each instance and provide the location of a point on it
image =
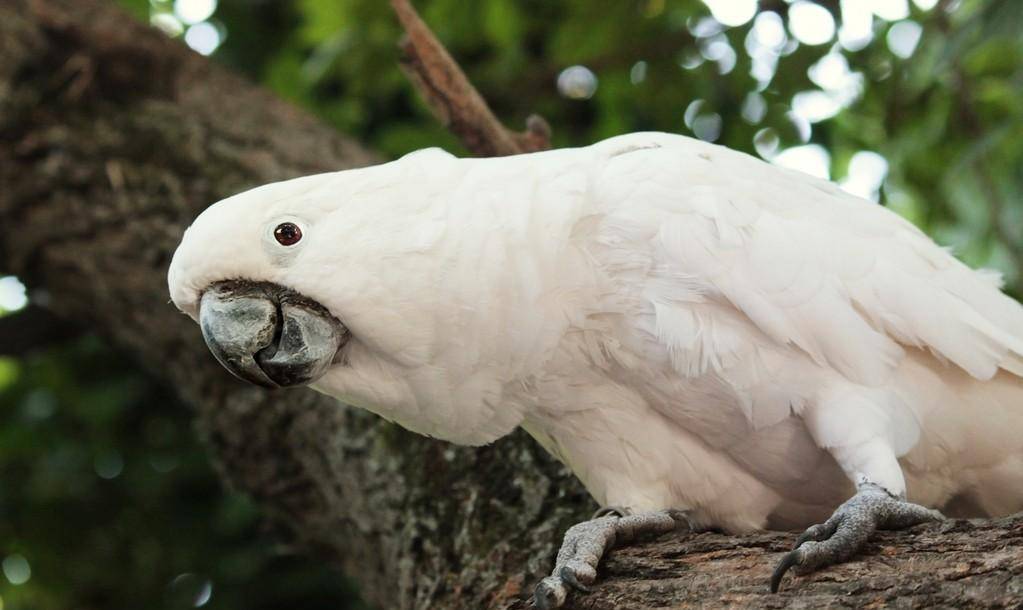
(113, 137)
(956, 564)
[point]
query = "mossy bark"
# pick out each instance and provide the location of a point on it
(112, 138)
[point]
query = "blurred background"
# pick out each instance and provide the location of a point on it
(107, 500)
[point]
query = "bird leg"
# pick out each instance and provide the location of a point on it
(848, 529)
(585, 544)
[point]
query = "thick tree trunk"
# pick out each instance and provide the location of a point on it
(112, 138)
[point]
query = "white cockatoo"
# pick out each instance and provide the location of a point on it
(699, 335)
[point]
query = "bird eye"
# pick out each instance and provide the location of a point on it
(287, 234)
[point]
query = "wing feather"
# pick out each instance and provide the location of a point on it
(844, 281)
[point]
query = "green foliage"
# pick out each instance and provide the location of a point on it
(947, 119)
(109, 500)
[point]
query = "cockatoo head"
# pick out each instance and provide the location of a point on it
(278, 276)
(237, 273)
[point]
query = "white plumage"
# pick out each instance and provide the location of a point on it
(683, 325)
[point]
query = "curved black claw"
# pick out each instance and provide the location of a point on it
(816, 533)
(845, 533)
(790, 559)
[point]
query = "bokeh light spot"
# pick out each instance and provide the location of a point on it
(866, 173)
(167, 23)
(705, 27)
(769, 30)
(577, 83)
(815, 106)
(39, 404)
(754, 107)
(16, 569)
(857, 25)
(732, 12)
(108, 465)
(811, 159)
(638, 72)
(189, 590)
(903, 37)
(692, 110)
(766, 142)
(707, 127)
(13, 295)
(194, 11)
(802, 126)
(811, 23)
(890, 10)
(203, 37)
(719, 50)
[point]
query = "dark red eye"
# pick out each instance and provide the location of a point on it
(287, 234)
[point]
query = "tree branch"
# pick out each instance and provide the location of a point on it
(954, 564)
(453, 99)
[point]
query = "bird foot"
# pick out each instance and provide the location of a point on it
(585, 544)
(849, 528)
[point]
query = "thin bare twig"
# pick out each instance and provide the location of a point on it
(454, 100)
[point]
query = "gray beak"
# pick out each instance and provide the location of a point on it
(269, 335)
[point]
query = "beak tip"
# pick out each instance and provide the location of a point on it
(268, 341)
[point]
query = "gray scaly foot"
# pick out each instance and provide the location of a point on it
(849, 528)
(585, 543)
